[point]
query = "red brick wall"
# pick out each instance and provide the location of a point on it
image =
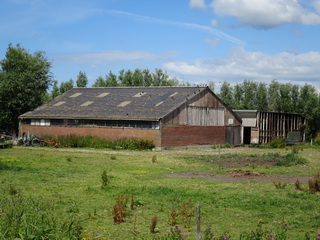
(108, 133)
(179, 135)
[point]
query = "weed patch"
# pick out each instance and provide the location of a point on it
(23, 217)
(291, 159)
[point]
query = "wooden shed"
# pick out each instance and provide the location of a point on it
(169, 116)
(260, 127)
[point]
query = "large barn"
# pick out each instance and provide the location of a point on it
(169, 116)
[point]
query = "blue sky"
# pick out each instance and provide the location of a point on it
(196, 41)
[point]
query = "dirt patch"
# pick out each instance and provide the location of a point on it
(241, 176)
(244, 161)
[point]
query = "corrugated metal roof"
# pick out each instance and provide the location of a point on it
(144, 103)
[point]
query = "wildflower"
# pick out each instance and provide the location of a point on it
(318, 235)
(213, 236)
(225, 237)
(271, 236)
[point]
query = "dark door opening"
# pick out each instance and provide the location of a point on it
(247, 135)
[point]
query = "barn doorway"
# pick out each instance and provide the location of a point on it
(246, 135)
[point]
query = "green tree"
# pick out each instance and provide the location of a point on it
(147, 77)
(66, 86)
(274, 96)
(137, 78)
(100, 82)
(24, 81)
(238, 97)
(82, 79)
(249, 90)
(111, 80)
(309, 105)
(226, 94)
(262, 97)
(55, 89)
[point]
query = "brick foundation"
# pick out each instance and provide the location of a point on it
(178, 135)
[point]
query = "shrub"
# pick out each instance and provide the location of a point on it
(314, 184)
(277, 143)
(291, 159)
(279, 185)
(105, 179)
(154, 158)
(154, 221)
(119, 209)
(173, 217)
(75, 141)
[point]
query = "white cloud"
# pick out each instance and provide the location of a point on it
(267, 13)
(197, 4)
(240, 65)
(214, 23)
(316, 5)
(98, 58)
(213, 42)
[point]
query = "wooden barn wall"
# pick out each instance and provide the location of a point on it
(203, 110)
(179, 135)
(277, 125)
(107, 133)
(233, 135)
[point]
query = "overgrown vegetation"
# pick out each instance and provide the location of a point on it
(75, 141)
(33, 218)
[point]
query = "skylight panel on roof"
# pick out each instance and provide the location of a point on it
(59, 103)
(103, 94)
(173, 94)
(140, 94)
(75, 95)
(158, 104)
(86, 104)
(123, 104)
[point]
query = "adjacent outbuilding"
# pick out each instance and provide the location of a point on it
(260, 127)
(169, 116)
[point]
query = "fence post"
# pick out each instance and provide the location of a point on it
(198, 222)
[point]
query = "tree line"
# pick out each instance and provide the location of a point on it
(125, 78)
(276, 97)
(25, 79)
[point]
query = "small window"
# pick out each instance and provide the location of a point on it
(140, 94)
(158, 104)
(123, 104)
(59, 103)
(103, 94)
(40, 122)
(86, 104)
(173, 94)
(75, 95)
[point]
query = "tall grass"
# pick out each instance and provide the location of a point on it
(75, 141)
(30, 218)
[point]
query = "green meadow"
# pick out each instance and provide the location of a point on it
(101, 194)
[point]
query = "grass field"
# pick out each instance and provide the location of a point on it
(66, 186)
